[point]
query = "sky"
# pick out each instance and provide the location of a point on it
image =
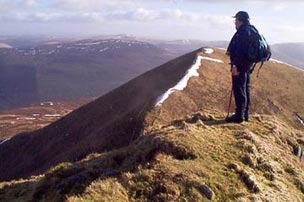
(208, 20)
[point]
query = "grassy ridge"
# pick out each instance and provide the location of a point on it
(192, 159)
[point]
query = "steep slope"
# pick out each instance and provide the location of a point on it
(111, 121)
(178, 148)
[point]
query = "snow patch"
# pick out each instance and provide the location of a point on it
(212, 59)
(8, 115)
(184, 81)
(52, 42)
(278, 61)
(224, 49)
(106, 48)
(88, 43)
(25, 118)
(281, 62)
(51, 52)
(208, 50)
(5, 141)
(52, 115)
(46, 103)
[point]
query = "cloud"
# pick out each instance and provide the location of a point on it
(7, 5)
(147, 15)
(30, 3)
(43, 17)
(93, 5)
(33, 17)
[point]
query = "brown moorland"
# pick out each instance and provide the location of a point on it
(179, 151)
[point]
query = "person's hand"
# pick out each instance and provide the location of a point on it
(234, 71)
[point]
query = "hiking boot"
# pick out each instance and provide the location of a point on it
(246, 117)
(234, 119)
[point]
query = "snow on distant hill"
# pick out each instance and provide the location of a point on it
(74, 69)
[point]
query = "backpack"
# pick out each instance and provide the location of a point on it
(258, 48)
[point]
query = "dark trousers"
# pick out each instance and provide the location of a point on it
(241, 90)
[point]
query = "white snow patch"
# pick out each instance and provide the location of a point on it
(51, 52)
(46, 103)
(224, 49)
(278, 61)
(25, 118)
(281, 62)
(208, 50)
(5, 141)
(52, 115)
(184, 81)
(88, 43)
(52, 42)
(8, 115)
(212, 59)
(106, 48)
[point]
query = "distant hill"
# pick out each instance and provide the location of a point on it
(292, 53)
(71, 70)
(181, 47)
(35, 116)
(129, 146)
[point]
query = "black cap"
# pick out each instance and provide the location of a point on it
(242, 16)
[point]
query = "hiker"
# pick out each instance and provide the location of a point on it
(240, 68)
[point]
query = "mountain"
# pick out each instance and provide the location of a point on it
(181, 47)
(162, 137)
(58, 71)
(28, 41)
(292, 53)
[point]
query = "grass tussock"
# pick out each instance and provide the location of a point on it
(198, 158)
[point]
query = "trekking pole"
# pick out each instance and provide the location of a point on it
(229, 103)
(230, 95)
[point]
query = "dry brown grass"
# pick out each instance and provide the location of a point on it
(187, 152)
(277, 91)
(179, 161)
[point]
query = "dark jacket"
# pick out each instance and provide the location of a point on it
(238, 48)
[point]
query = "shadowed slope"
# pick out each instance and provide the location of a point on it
(111, 121)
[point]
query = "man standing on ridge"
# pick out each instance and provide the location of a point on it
(240, 67)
